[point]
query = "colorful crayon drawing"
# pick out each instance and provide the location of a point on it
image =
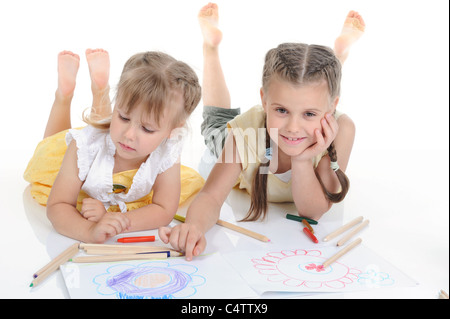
(149, 280)
(303, 268)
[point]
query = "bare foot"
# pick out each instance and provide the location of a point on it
(68, 64)
(98, 62)
(208, 17)
(352, 30)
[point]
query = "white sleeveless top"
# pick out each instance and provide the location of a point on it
(96, 163)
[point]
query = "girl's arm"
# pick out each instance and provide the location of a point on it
(308, 195)
(62, 202)
(165, 201)
(204, 211)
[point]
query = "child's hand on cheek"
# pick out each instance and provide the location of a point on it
(111, 224)
(324, 138)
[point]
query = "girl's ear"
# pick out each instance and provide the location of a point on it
(335, 103)
(263, 99)
(177, 131)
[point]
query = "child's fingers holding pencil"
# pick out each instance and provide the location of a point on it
(186, 238)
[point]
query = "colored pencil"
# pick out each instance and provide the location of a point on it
(179, 218)
(110, 258)
(443, 294)
(242, 230)
(299, 219)
(342, 252)
(172, 253)
(234, 227)
(103, 249)
(347, 237)
(343, 228)
(53, 265)
(120, 247)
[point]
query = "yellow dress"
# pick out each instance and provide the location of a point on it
(44, 166)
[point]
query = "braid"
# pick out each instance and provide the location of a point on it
(343, 179)
(332, 152)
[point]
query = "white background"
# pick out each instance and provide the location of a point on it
(395, 88)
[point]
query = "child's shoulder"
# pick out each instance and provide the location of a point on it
(92, 144)
(88, 136)
(345, 122)
(252, 118)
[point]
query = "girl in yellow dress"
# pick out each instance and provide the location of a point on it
(122, 171)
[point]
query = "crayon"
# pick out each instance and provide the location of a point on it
(310, 235)
(138, 239)
(299, 219)
(305, 222)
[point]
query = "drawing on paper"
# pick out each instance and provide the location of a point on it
(149, 280)
(303, 268)
(373, 278)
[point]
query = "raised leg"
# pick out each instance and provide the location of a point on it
(214, 89)
(99, 65)
(352, 30)
(59, 118)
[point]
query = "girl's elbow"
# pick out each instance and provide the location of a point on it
(50, 212)
(317, 212)
(168, 215)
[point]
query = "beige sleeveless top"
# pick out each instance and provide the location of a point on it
(249, 134)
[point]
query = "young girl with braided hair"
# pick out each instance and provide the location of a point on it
(283, 151)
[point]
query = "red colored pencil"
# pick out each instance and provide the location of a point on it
(138, 239)
(310, 235)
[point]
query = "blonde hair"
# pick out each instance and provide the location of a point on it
(298, 64)
(153, 79)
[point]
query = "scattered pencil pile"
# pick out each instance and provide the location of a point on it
(309, 231)
(102, 253)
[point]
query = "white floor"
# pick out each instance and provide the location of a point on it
(395, 89)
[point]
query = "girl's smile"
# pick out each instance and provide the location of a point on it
(294, 112)
(292, 140)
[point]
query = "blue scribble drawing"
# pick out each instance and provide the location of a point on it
(373, 279)
(149, 280)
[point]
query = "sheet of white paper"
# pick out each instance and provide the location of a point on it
(207, 276)
(301, 270)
